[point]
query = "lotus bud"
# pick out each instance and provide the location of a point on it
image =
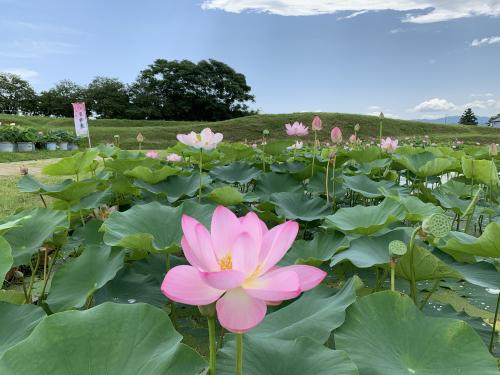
(397, 248)
(356, 128)
(381, 116)
(140, 138)
(317, 124)
(207, 311)
(336, 135)
(438, 225)
(493, 149)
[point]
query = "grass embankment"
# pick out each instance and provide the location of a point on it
(161, 134)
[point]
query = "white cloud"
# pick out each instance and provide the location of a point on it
(417, 11)
(374, 108)
(485, 41)
(387, 115)
(352, 15)
(434, 105)
(26, 74)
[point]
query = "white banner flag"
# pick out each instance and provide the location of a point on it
(81, 124)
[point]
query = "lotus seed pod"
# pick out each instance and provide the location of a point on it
(438, 225)
(207, 311)
(397, 247)
(265, 132)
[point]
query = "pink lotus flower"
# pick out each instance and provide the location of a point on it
(336, 135)
(492, 149)
(206, 140)
(353, 138)
(174, 157)
(254, 145)
(296, 146)
(235, 265)
(152, 154)
(389, 145)
(317, 124)
(297, 129)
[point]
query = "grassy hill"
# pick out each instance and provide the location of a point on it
(159, 134)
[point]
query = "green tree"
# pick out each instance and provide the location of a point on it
(182, 90)
(16, 94)
(108, 97)
(468, 118)
(57, 101)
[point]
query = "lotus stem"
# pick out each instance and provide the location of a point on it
(413, 283)
(314, 153)
(213, 346)
(431, 292)
(201, 172)
(33, 273)
(43, 201)
(494, 325)
(45, 281)
(239, 354)
(392, 264)
(333, 181)
(326, 181)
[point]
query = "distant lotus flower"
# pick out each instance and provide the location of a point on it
(381, 115)
(389, 144)
(297, 129)
(493, 149)
(336, 135)
(174, 157)
(353, 138)
(317, 124)
(254, 145)
(356, 128)
(152, 154)
(296, 146)
(12, 124)
(235, 265)
(206, 140)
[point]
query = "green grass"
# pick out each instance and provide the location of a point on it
(161, 134)
(7, 157)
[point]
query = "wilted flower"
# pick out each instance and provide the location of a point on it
(206, 140)
(234, 265)
(296, 146)
(493, 149)
(173, 157)
(389, 144)
(317, 123)
(297, 129)
(152, 154)
(103, 212)
(336, 135)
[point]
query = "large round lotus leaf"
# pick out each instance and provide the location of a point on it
(280, 357)
(151, 176)
(364, 155)
(226, 195)
(72, 165)
(201, 212)
(6, 226)
(416, 210)
(297, 206)
(17, 323)
(457, 188)
(320, 249)
(111, 338)
(37, 227)
(484, 171)
(239, 171)
(368, 251)
(368, 187)
(6, 259)
(366, 220)
(487, 245)
(271, 182)
(385, 334)
(291, 167)
(79, 278)
(176, 187)
(94, 200)
(424, 164)
(235, 151)
(148, 227)
(316, 184)
(119, 166)
(369, 167)
(446, 200)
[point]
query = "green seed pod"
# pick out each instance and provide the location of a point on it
(207, 311)
(397, 247)
(265, 132)
(437, 225)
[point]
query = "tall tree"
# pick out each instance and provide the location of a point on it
(183, 90)
(108, 97)
(16, 94)
(468, 118)
(57, 101)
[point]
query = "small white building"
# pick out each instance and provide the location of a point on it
(495, 122)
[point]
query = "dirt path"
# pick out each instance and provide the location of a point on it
(34, 167)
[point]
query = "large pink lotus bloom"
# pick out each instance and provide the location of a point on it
(297, 129)
(317, 124)
(389, 145)
(152, 154)
(336, 135)
(235, 265)
(206, 140)
(174, 157)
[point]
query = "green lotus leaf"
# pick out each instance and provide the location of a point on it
(317, 251)
(487, 245)
(297, 206)
(72, 165)
(239, 172)
(201, 212)
(484, 171)
(369, 167)
(271, 182)
(176, 187)
(149, 227)
(135, 339)
(12, 296)
(367, 251)
(459, 206)
(316, 184)
(17, 323)
(67, 190)
(424, 164)
(365, 155)
(94, 200)
(236, 151)
(280, 357)
(151, 176)
(6, 259)
(367, 187)
(385, 334)
(290, 167)
(457, 188)
(415, 209)
(11, 224)
(119, 166)
(79, 278)
(366, 220)
(38, 226)
(226, 195)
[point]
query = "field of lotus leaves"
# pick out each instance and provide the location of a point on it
(278, 258)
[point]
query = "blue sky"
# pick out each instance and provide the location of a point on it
(408, 58)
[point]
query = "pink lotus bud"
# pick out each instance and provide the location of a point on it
(152, 154)
(493, 149)
(336, 135)
(317, 124)
(352, 138)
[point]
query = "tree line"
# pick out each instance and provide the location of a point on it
(209, 90)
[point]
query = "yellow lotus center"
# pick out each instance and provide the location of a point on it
(226, 262)
(198, 137)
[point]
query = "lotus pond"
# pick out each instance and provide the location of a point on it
(226, 258)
